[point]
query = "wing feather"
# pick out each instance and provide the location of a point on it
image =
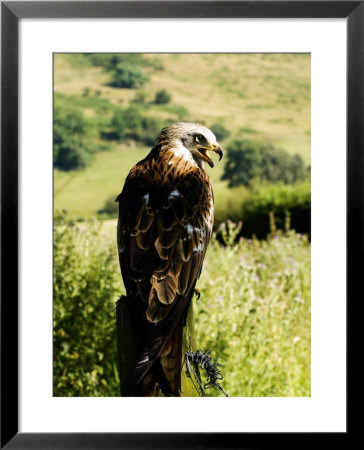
(167, 238)
(166, 288)
(167, 219)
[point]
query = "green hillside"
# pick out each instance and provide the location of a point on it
(256, 96)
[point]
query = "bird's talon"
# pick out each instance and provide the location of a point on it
(198, 293)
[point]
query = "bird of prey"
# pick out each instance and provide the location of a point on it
(165, 224)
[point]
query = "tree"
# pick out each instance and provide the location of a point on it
(243, 163)
(118, 124)
(280, 166)
(162, 97)
(69, 148)
(128, 76)
(150, 129)
(220, 131)
(127, 122)
(248, 160)
(133, 118)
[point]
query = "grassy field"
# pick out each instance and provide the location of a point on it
(254, 313)
(260, 96)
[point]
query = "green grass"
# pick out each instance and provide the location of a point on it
(254, 312)
(84, 192)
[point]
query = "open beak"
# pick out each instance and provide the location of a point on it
(205, 156)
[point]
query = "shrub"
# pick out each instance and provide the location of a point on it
(118, 125)
(266, 208)
(277, 207)
(69, 143)
(249, 160)
(110, 60)
(127, 123)
(128, 76)
(140, 97)
(133, 118)
(86, 92)
(254, 312)
(279, 198)
(162, 97)
(85, 289)
(150, 129)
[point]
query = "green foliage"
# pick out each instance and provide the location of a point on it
(130, 123)
(127, 122)
(230, 232)
(254, 314)
(85, 289)
(110, 60)
(93, 102)
(69, 144)
(277, 206)
(280, 166)
(118, 124)
(265, 206)
(128, 76)
(220, 131)
(254, 311)
(249, 160)
(150, 129)
(133, 118)
(243, 162)
(140, 97)
(279, 198)
(86, 92)
(162, 97)
(93, 125)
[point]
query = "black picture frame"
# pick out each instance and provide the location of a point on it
(11, 13)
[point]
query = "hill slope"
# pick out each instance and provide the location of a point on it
(260, 96)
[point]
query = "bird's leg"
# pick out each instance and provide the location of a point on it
(198, 293)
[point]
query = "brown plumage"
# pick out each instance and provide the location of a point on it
(165, 224)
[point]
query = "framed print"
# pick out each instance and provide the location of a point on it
(59, 58)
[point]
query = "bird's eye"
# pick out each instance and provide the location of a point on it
(198, 137)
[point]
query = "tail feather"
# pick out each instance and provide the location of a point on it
(155, 341)
(146, 358)
(172, 360)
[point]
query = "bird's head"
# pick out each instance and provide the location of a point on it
(194, 138)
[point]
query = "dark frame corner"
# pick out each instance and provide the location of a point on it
(11, 12)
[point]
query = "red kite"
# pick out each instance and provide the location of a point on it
(165, 224)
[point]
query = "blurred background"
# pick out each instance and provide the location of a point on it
(254, 310)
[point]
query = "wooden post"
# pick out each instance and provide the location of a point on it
(189, 387)
(128, 345)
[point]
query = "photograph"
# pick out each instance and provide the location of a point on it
(181, 224)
